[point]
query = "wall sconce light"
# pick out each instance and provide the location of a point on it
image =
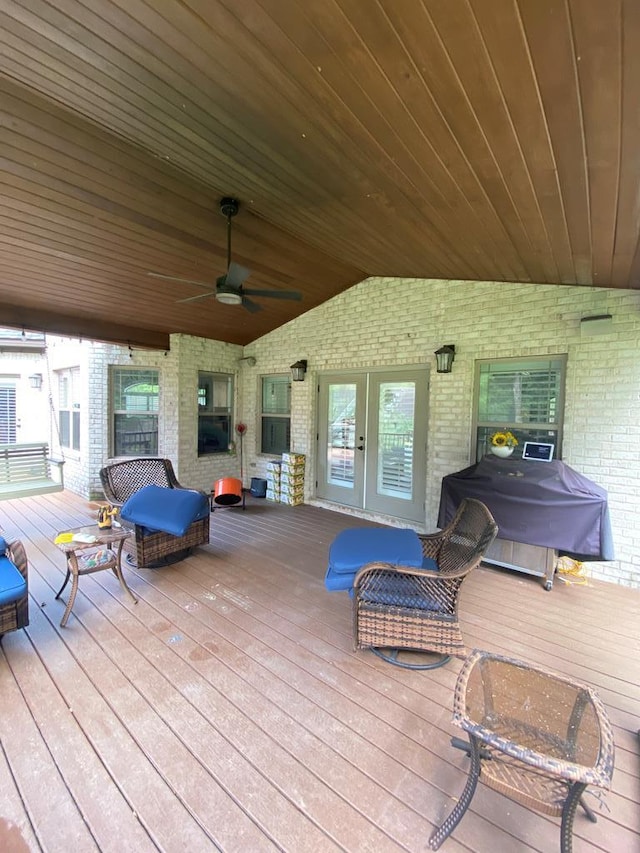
(35, 380)
(298, 370)
(250, 359)
(444, 358)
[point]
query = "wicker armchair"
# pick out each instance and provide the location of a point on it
(416, 609)
(120, 480)
(15, 614)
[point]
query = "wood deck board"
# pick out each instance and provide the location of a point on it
(227, 709)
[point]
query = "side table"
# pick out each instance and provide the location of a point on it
(535, 736)
(79, 563)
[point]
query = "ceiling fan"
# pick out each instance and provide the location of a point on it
(229, 289)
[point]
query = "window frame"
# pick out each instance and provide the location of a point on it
(116, 370)
(518, 428)
(214, 415)
(280, 416)
(72, 407)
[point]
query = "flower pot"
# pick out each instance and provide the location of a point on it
(503, 451)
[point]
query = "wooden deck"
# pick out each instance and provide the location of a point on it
(228, 711)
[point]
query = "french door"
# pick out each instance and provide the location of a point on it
(372, 431)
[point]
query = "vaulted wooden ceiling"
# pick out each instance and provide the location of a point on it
(463, 139)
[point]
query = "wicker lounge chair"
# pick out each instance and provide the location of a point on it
(416, 609)
(148, 547)
(14, 612)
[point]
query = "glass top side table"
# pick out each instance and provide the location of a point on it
(81, 559)
(535, 736)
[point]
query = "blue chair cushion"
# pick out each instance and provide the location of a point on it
(357, 546)
(12, 585)
(169, 510)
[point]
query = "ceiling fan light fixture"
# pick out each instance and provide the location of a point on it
(227, 297)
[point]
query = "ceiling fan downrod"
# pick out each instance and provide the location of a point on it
(229, 208)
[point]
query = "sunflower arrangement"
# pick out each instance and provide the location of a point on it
(504, 438)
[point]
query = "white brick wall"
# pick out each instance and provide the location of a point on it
(177, 422)
(386, 321)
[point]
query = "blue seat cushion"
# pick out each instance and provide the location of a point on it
(357, 546)
(403, 591)
(169, 510)
(12, 585)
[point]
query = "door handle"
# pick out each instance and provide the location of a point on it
(360, 447)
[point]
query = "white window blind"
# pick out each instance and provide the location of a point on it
(7, 414)
(522, 395)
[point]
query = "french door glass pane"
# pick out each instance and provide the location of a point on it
(396, 416)
(341, 434)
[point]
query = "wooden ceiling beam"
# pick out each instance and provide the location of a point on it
(19, 317)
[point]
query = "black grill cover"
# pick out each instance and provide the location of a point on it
(538, 503)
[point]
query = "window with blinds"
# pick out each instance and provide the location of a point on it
(135, 396)
(69, 408)
(275, 414)
(8, 430)
(523, 396)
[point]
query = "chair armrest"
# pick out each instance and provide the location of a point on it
(18, 556)
(432, 543)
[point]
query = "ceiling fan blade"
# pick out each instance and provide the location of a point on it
(236, 275)
(196, 298)
(175, 278)
(274, 294)
(250, 305)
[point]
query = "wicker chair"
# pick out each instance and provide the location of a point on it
(15, 614)
(120, 480)
(416, 609)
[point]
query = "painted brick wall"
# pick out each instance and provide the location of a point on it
(177, 422)
(386, 321)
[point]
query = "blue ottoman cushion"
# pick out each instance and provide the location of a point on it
(12, 585)
(354, 548)
(169, 510)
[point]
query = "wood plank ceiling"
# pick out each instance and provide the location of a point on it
(465, 139)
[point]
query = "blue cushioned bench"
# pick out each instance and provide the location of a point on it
(356, 547)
